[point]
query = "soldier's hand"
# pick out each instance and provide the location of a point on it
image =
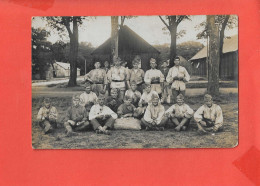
(203, 123)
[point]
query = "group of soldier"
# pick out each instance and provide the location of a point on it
(118, 92)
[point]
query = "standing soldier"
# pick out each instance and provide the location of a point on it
(118, 77)
(98, 78)
(137, 75)
(166, 92)
(154, 77)
(106, 66)
(177, 76)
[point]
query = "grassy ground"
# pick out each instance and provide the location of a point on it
(139, 139)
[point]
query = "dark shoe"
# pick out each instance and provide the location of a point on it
(107, 132)
(98, 131)
(148, 129)
(70, 133)
(161, 128)
(48, 129)
(184, 128)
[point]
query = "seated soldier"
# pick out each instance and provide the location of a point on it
(134, 94)
(76, 118)
(154, 116)
(126, 109)
(102, 117)
(144, 100)
(47, 116)
(113, 102)
(180, 113)
(88, 98)
(209, 117)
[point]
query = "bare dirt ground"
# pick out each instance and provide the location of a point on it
(169, 138)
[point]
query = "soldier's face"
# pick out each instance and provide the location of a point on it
(88, 89)
(208, 102)
(101, 101)
(133, 87)
(177, 62)
(76, 102)
(155, 101)
(128, 101)
(114, 94)
(148, 89)
(135, 65)
(164, 64)
(179, 101)
(97, 65)
(106, 64)
(117, 63)
(153, 65)
(47, 104)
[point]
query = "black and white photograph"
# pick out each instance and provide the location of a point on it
(127, 82)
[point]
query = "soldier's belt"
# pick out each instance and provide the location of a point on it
(118, 80)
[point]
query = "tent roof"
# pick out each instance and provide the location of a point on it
(128, 40)
(230, 45)
(64, 65)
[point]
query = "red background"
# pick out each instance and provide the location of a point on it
(21, 165)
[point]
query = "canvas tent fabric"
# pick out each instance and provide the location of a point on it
(130, 44)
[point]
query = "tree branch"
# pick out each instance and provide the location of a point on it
(225, 21)
(67, 25)
(180, 19)
(164, 22)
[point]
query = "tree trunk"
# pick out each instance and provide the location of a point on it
(173, 45)
(214, 57)
(173, 31)
(114, 37)
(73, 54)
(221, 39)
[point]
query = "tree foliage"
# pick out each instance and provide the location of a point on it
(41, 51)
(71, 24)
(171, 23)
(223, 22)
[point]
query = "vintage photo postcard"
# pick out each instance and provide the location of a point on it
(122, 82)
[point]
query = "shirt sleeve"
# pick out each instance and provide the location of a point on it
(219, 117)
(147, 77)
(54, 113)
(171, 109)
(127, 74)
(169, 77)
(147, 115)
(111, 112)
(82, 100)
(109, 76)
(120, 111)
(161, 77)
(68, 114)
(39, 115)
(89, 75)
(92, 113)
(198, 114)
(85, 115)
(187, 76)
(105, 77)
(160, 114)
(189, 112)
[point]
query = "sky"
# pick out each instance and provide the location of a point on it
(97, 30)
